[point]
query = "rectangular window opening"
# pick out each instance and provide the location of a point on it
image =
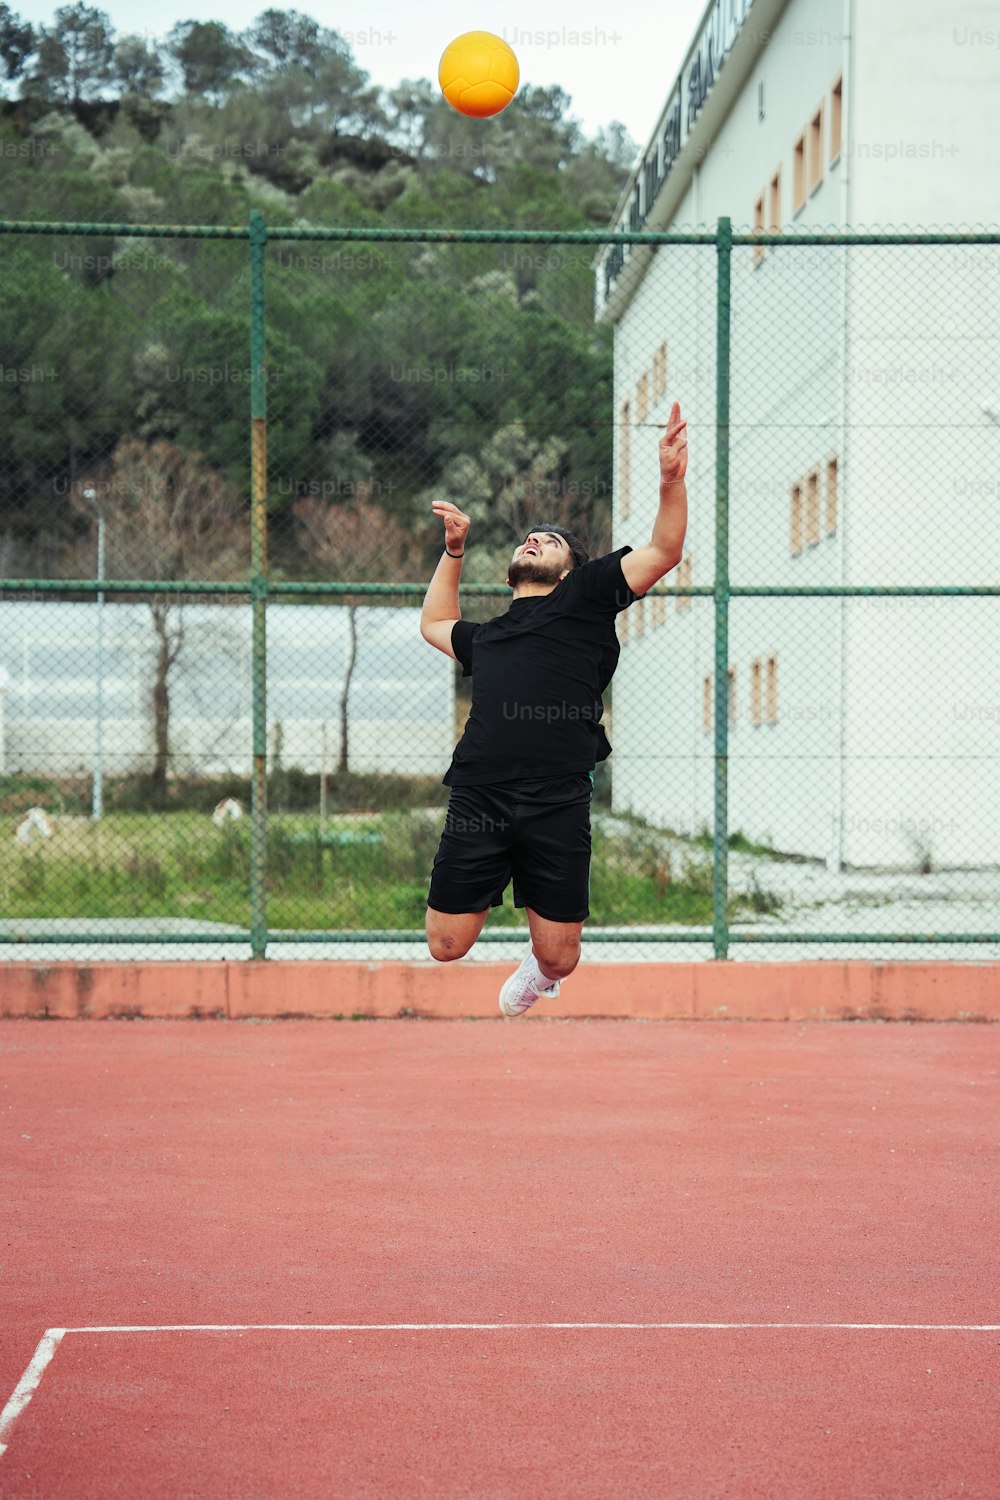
(799, 174)
(774, 222)
(831, 496)
(812, 508)
(755, 676)
(836, 112)
(796, 519)
(772, 689)
(816, 150)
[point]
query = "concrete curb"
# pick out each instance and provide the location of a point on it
(823, 990)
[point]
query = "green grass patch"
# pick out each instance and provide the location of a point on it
(362, 872)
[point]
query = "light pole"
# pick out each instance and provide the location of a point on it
(97, 808)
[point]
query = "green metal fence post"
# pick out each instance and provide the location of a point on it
(720, 851)
(258, 582)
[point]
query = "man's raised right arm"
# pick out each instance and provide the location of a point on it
(441, 608)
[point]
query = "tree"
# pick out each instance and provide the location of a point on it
(17, 42)
(597, 177)
(205, 381)
(537, 129)
(410, 104)
(458, 143)
(516, 481)
(137, 68)
(333, 97)
(356, 542)
(287, 39)
(211, 57)
(616, 146)
(75, 55)
(66, 417)
(168, 516)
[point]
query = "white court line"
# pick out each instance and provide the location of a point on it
(51, 1339)
(402, 1327)
(28, 1383)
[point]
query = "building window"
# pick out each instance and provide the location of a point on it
(796, 519)
(799, 174)
(758, 228)
(772, 690)
(659, 373)
(706, 703)
(731, 689)
(836, 108)
(755, 693)
(816, 150)
(684, 582)
(650, 179)
(642, 398)
(812, 508)
(624, 437)
(774, 222)
(831, 496)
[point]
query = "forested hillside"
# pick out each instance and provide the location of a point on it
(394, 370)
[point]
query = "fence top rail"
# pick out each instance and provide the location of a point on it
(261, 586)
(370, 234)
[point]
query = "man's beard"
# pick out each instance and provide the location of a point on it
(534, 570)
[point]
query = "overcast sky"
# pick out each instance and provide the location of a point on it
(616, 60)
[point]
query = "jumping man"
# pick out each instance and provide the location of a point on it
(522, 774)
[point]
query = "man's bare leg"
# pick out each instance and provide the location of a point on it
(556, 945)
(554, 954)
(451, 934)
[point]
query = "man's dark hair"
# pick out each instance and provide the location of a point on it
(579, 551)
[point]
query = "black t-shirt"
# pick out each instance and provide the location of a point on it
(538, 674)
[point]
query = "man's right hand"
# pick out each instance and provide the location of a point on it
(456, 524)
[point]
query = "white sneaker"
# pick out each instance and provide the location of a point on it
(521, 990)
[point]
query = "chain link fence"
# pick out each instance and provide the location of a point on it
(219, 725)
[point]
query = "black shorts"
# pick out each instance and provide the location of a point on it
(537, 832)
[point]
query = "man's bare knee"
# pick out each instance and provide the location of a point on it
(451, 936)
(445, 946)
(558, 962)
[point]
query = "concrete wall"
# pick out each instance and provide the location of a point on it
(400, 709)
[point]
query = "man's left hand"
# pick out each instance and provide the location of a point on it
(673, 448)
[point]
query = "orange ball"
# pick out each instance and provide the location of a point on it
(478, 74)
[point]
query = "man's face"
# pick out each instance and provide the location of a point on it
(542, 557)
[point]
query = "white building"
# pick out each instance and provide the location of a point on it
(864, 437)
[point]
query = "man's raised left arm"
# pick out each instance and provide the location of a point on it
(646, 565)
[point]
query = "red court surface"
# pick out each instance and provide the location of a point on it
(777, 1243)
